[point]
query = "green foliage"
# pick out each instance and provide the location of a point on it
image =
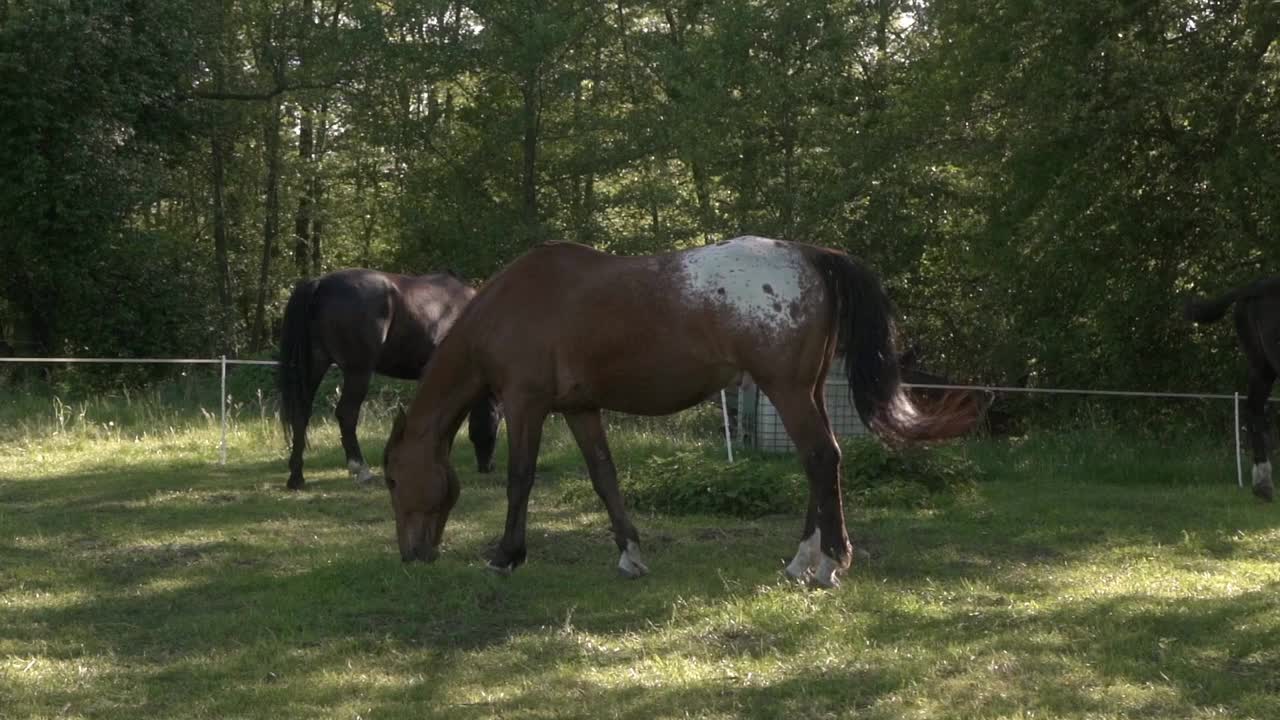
(1038, 183)
(878, 476)
(694, 482)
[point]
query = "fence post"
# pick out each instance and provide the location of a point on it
(222, 401)
(1239, 470)
(724, 411)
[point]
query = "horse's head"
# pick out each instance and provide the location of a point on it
(423, 491)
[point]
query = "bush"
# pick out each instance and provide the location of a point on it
(879, 476)
(691, 482)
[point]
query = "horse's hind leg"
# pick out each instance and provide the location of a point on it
(1260, 381)
(805, 562)
(588, 431)
(826, 538)
(302, 418)
(482, 428)
(355, 386)
(1259, 341)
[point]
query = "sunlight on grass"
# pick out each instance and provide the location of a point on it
(140, 578)
(20, 597)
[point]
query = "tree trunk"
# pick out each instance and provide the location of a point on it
(221, 256)
(788, 210)
(702, 190)
(270, 225)
(686, 148)
(302, 219)
(529, 185)
(655, 213)
(316, 187)
(317, 223)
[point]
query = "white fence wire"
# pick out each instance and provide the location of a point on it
(223, 361)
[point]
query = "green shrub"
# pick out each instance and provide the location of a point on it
(693, 482)
(247, 382)
(880, 476)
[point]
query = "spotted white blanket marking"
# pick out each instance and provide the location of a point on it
(758, 281)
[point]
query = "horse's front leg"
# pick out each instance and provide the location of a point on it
(588, 431)
(524, 435)
(355, 387)
(805, 562)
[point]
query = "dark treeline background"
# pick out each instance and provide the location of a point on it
(1038, 181)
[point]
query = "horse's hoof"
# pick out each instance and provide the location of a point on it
(295, 484)
(366, 481)
(1264, 492)
(828, 573)
(801, 578)
(486, 469)
(634, 571)
(503, 570)
(830, 583)
(629, 564)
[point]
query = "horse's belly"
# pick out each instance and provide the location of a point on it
(644, 390)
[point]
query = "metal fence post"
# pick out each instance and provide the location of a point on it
(222, 401)
(724, 411)
(1239, 470)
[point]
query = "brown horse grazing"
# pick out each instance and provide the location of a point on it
(1257, 317)
(573, 330)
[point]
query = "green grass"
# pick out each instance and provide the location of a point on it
(1089, 575)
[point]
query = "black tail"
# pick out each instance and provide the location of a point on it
(867, 333)
(1208, 310)
(295, 356)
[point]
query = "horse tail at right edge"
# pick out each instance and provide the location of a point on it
(295, 357)
(864, 317)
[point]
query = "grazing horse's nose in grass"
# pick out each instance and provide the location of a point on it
(424, 552)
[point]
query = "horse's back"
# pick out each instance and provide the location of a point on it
(676, 326)
(370, 320)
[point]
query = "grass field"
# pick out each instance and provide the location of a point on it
(1088, 576)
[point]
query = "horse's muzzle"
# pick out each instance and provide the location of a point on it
(425, 552)
(417, 539)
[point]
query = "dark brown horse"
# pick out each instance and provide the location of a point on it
(573, 330)
(1257, 319)
(367, 322)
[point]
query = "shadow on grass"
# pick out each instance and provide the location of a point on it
(217, 588)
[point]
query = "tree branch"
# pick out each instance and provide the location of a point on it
(261, 95)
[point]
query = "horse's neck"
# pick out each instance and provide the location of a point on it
(449, 387)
